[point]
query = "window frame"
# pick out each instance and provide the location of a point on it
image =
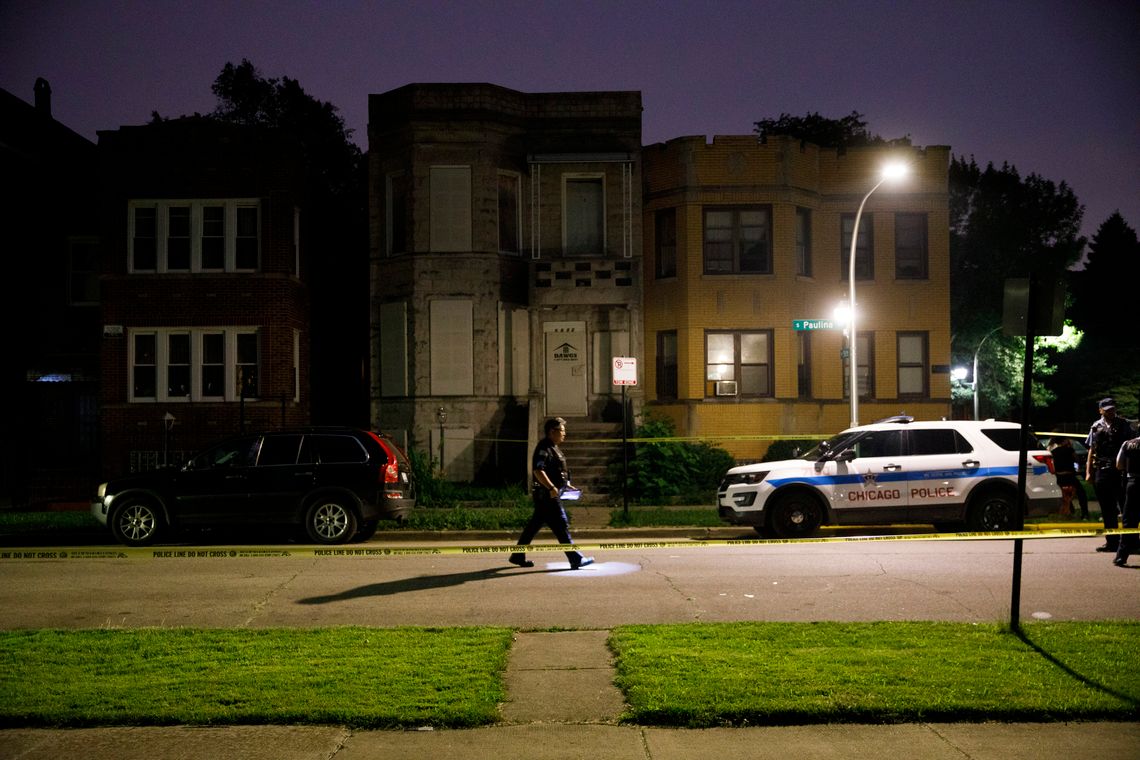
(923, 366)
(592, 178)
(866, 358)
(918, 253)
(515, 178)
(397, 201)
(803, 241)
(862, 253)
(161, 365)
(665, 243)
(161, 240)
(666, 384)
(739, 365)
(737, 239)
(448, 232)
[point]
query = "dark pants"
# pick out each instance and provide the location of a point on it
(1130, 543)
(1107, 484)
(549, 512)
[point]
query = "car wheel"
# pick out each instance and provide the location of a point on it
(330, 521)
(795, 516)
(992, 511)
(136, 523)
(367, 530)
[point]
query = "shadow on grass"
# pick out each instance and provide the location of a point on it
(1053, 660)
(419, 583)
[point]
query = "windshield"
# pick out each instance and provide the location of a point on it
(831, 446)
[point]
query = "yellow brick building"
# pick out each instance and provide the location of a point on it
(744, 238)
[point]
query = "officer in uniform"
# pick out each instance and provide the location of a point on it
(548, 467)
(1105, 438)
(1128, 462)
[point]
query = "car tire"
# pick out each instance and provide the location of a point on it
(992, 511)
(366, 531)
(136, 523)
(795, 515)
(330, 520)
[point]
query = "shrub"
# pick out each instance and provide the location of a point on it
(671, 472)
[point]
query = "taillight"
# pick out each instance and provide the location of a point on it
(1047, 460)
(389, 473)
(392, 473)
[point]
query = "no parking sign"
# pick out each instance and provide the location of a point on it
(625, 370)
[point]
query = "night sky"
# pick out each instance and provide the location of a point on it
(1051, 86)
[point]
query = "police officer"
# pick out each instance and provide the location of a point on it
(548, 468)
(1105, 438)
(1128, 462)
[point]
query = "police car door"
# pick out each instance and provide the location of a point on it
(871, 485)
(942, 463)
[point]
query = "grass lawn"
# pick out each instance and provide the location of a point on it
(363, 677)
(736, 674)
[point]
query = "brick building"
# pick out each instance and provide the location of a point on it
(743, 238)
(49, 298)
(205, 313)
(506, 266)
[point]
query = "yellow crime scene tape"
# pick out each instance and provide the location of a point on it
(235, 552)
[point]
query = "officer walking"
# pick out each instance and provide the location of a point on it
(548, 468)
(1105, 438)
(1128, 462)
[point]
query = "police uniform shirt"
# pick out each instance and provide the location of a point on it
(549, 459)
(1107, 438)
(1129, 458)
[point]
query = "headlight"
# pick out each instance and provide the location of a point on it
(742, 478)
(102, 491)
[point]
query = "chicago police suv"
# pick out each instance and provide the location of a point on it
(897, 470)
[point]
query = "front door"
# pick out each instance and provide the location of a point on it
(565, 358)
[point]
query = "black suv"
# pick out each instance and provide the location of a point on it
(336, 482)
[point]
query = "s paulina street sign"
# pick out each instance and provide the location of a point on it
(814, 324)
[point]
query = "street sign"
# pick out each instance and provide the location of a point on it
(814, 324)
(625, 370)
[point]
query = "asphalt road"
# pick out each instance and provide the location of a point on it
(965, 581)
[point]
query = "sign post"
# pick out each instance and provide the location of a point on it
(624, 374)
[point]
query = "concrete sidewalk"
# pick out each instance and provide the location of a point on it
(558, 741)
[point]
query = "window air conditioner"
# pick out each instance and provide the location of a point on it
(725, 387)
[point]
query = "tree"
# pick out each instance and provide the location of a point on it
(1003, 226)
(334, 229)
(1108, 362)
(847, 132)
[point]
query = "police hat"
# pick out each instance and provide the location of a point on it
(1107, 403)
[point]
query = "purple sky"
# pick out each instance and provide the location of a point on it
(1051, 86)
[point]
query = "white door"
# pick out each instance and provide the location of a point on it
(565, 358)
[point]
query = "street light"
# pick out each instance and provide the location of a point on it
(893, 171)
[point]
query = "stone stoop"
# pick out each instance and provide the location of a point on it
(564, 677)
(590, 449)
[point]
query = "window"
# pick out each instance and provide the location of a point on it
(931, 442)
(393, 349)
(514, 351)
(397, 213)
(451, 350)
(665, 243)
(745, 357)
(912, 364)
(450, 209)
(510, 217)
(738, 240)
(667, 364)
(83, 272)
(864, 247)
(803, 242)
(195, 364)
(178, 238)
(803, 364)
(865, 370)
(910, 247)
(583, 215)
(194, 236)
(277, 450)
(879, 443)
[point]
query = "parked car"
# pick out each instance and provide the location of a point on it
(336, 483)
(945, 472)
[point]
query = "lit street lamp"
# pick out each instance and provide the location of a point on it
(892, 171)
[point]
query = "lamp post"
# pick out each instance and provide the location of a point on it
(892, 171)
(976, 350)
(442, 417)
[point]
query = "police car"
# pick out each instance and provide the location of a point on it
(948, 473)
